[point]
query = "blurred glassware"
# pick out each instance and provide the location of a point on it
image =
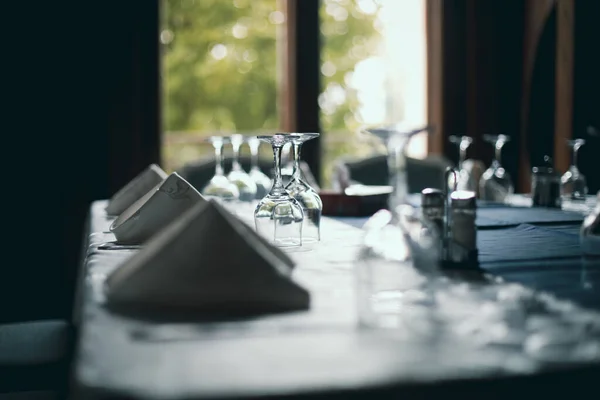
(278, 216)
(395, 241)
(262, 181)
(495, 183)
(590, 231)
(311, 203)
(237, 175)
(219, 187)
(573, 183)
(468, 173)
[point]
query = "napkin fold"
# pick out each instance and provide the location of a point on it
(155, 210)
(209, 263)
(136, 188)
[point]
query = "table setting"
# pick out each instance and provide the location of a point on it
(249, 287)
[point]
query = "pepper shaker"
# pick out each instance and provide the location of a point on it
(462, 246)
(545, 186)
(433, 205)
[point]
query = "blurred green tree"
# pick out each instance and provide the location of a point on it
(220, 68)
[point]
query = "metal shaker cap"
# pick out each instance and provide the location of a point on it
(432, 198)
(463, 199)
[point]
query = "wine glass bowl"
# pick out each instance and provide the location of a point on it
(219, 187)
(495, 183)
(278, 216)
(573, 185)
(307, 197)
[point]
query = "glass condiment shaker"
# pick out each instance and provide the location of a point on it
(545, 186)
(462, 241)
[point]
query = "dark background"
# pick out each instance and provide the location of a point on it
(81, 117)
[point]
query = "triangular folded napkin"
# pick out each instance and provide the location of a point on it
(208, 263)
(155, 210)
(136, 188)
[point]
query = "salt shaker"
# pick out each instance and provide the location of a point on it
(462, 246)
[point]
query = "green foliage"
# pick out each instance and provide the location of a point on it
(220, 68)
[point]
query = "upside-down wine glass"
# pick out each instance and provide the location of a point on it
(219, 187)
(278, 216)
(308, 198)
(237, 175)
(262, 181)
(573, 184)
(464, 180)
(495, 183)
(395, 241)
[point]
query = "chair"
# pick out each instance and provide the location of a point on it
(422, 173)
(34, 359)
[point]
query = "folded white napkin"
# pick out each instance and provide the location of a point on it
(136, 188)
(155, 210)
(207, 262)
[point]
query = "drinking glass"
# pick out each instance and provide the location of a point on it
(573, 185)
(395, 241)
(239, 177)
(219, 187)
(495, 183)
(465, 179)
(305, 195)
(278, 216)
(262, 181)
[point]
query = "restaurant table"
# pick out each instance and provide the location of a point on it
(323, 352)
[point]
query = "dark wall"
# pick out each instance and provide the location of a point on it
(69, 94)
(586, 93)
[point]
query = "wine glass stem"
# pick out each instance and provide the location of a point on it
(575, 149)
(498, 152)
(254, 154)
(296, 174)
(218, 158)
(236, 157)
(398, 177)
(277, 188)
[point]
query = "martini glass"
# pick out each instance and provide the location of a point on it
(308, 198)
(573, 183)
(219, 187)
(238, 176)
(495, 184)
(278, 216)
(262, 181)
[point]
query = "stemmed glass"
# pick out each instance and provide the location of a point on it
(219, 187)
(278, 216)
(464, 179)
(495, 183)
(395, 240)
(573, 184)
(237, 175)
(262, 181)
(305, 195)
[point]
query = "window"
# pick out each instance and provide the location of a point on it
(373, 72)
(219, 72)
(221, 69)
